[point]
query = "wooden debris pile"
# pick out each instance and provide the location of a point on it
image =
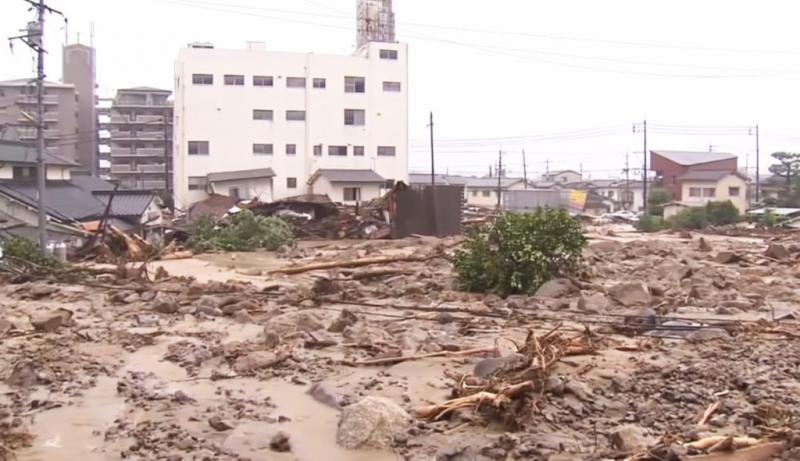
(712, 448)
(513, 393)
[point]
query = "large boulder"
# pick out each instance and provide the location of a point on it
(595, 302)
(630, 438)
(556, 288)
(51, 321)
(631, 294)
(777, 251)
(371, 423)
(726, 257)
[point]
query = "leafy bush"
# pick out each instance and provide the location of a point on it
(26, 250)
(656, 201)
(769, 220)
(650, 223)
(519, 252)
(246, 232)
(713, 214)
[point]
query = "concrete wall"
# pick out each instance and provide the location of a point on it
(79, 70)
(248, 188)
(721, 189)
(477, 196)
(335, 191)
(223, 114)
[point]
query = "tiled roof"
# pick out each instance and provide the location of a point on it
(224, 176)
(355, 176)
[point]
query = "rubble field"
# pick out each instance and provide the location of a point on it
(664, 348)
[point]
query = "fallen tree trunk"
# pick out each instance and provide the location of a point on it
(353, 263)
(395, 360)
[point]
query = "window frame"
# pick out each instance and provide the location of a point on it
(263, 79)
(737, 189)
(297, 81)
(695, 192)
(339, 149)
(392, 87)
(354, 117)
(389, 54)
(292, 151)
(318, 150)
(319, 83)
(233, 80)
(269, 149)
(291, 183)
(356, 194)
(383, 149)
(288, 119)
(351, 84)
(359, 151)
(712, 194)
(486, 193)
(263, 111)
(198, 144)
(198, 79)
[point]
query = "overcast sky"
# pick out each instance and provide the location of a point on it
(565, 80)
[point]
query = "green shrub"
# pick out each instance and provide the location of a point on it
(246, 232)
(519, 252)
(769, 220)
(722, 213)
(713, 214)
(690, 218)
(650, 223)
(26, 250)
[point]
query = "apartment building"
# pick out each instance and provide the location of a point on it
(256, 123)
(141, 138)
(18, 115)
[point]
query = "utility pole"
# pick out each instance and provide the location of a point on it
(524, 169)
(499, 178)
(168, 164)
(433, 170)
(34, 39)
(627, 181)
(547, 167)
(644, 171)
(758, 169)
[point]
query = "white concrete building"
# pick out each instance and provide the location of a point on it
(701, 187)
(256, 123)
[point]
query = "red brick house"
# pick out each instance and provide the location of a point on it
(670, 165)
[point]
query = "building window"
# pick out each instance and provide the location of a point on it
(695, 192)
(262, 149)
(709, 192)
(318, 150)
(319, 83)
(295, 115)
(202, 79)
(295, 82)
(234, 193)
(354, 117)
(291, 183)
(198, 148)
(291, 149)
(198, 182)
(351, 194)
(234, 80)
(487, 193)
(24, 172)
(358, 151)
(262, 80)
(474, 193)
(733, 191)
(389, 54)
(386, 151)
(355, 85)
(262, 114)
(392, 86)
(337, 151)
(611, 194)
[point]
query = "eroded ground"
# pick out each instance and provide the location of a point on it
(200, 369)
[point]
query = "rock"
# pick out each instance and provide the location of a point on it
(148, 296)
(187, 310)
(707, 334)
(739, 304)
(245, 305)
(147, 320)
(166, 306)
(256, 361)
(218, 424)
(554, 385)
(223, 301)
(596, 302)
(254, 271)
(777, 251)
(5, 327)
(271, 339)
(243, 317)
(556, 288)
(42, 291)
(292, 322)
(605, 246)
(308, 323)
(580, 390)
(631, 294)
(51, 321)
(27, 374)
(371, 423)
(645, 319)
(280, 442)
(724, 310)
(325, 394)
(630, 439)
(345, 319)
(703, 245)
(488, 367)
(726, 257)
(209, 311)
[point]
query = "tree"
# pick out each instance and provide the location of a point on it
(788, 168)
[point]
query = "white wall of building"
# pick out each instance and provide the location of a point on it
(223, 114)
(335, 191)
(722, 189)
(54, 172)
(248, 188)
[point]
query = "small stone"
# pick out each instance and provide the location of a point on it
(707, 334)
(308, 323)
(147, 320)
(271, 338)
(371, 423)
(703, 245)
(209, 311)
(148, 296)
(255, 361)
(280, 442)
(777, 251)
(246, 305)
(631, 293)
(556, 288)
(166, 306)
(131, 298)
(596, 302)
(243, 317)
(218, 424)
(51, 321)
(42, 291)
(187, 310)
(630, 439)
(726, 257)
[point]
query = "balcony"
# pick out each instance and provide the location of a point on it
(116, 169)
(150, 119)
(122, 152)
(150, 135)
(26, 134)
(153, 184)
(51, 117)
(48, 99)
(120, 118)
(150, 152)
(117, 135)
(155, 168)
